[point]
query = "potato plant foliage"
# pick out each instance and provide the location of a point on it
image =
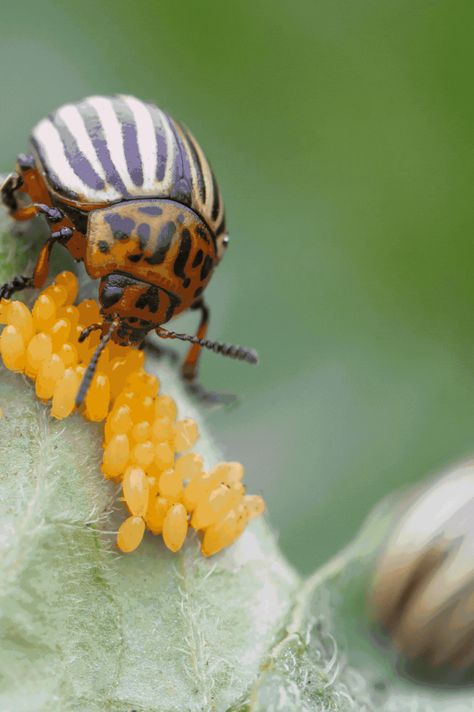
(83, 628)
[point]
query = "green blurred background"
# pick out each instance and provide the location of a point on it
(341, 134)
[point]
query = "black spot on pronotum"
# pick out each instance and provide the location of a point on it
(121, 227)
(151, 210)
(198, 258)
(206, 268)
(163, 244)
(186, 282)
(143, 232)
(183, 254)
(174, 303)
(202, 233)
(103, 246)
(198, 291)
(149, 300)
(135, 258)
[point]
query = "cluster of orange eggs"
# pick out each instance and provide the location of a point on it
(164, 486)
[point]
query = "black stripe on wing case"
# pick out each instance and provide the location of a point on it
(96, 132)
(74, 156)
(197, 164)
(181, 188)
(130, 140)
(162, 148)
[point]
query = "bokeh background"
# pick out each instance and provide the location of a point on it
(341, 134)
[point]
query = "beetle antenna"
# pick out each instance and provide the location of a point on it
(241, 353)
(91, 368)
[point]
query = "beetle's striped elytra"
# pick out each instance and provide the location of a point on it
(130, 193)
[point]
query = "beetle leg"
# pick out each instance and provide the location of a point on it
(10, 185)
(42, 265)
(16, 284)
(190, 365)
(189, 369)
(40, 272)
(53, 215)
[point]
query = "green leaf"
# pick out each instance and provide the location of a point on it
(85, 629)
(327, 659)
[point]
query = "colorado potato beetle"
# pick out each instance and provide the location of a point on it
(131, 194)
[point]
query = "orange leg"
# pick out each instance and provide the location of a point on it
(191, 362)
(40, 274)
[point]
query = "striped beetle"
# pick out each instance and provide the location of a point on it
(132, 195)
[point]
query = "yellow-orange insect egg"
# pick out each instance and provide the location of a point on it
(120, 419)
(221, 534)
(98, 398)
(80, 370)
(170, 485)
(89, 312)
(165, 407)
(58, 293)
(154, 471)
(162, 430)
(136, 490)
(142, 383)
(156, 513)
(20, 316)
(145, 407)
(153, 484)
(164, 456)
(130, 534)
(143, 453)
(68, 354)
(175, 527)
(229, 472)
(71, 314)
(103, 362)
(4, 310)
(135, 359)
(189, 466)
(44, 312)
(38, 350)
(254, 505)
(70, 281)
(64, 395)
(152, 385)
(117, 371)
(215, 506)
(12, 348)
(50, 371)
(59, 333)
(185, 434)
(126, 398)
(117, 351)
(198, 489)
(141, 431)
(134, 381)
(116, 455)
